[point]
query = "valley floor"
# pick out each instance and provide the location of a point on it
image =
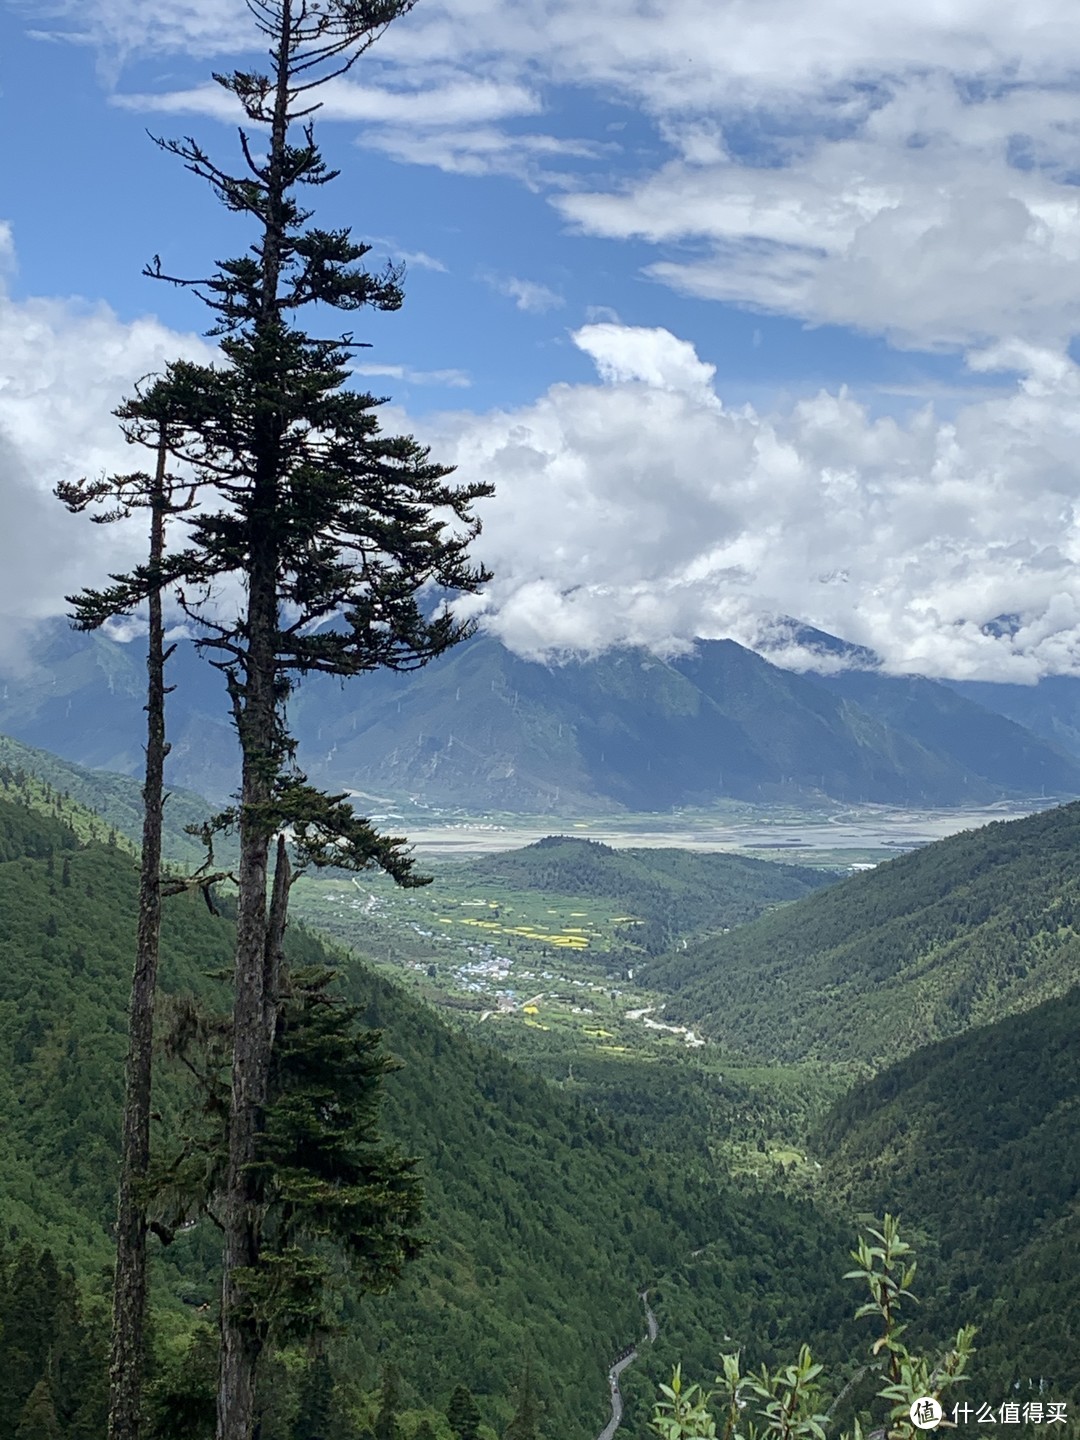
(830, 835)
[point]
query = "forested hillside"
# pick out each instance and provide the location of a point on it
(960, 933)
(976, 1140)
(667, 893)
(108, 801)
(542, 1216)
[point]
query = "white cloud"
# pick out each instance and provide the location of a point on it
(623, 354)
(643, 510)
(919, 225)
(528, 295)
(7, 249)
(124, 28)
(65, 367)
(461, 102)
(417, 258)
(903, 167)
(534, 159)
(619, 39)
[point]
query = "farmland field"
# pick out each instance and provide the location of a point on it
(548, 976)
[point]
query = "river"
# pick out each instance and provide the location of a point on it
(875, 828)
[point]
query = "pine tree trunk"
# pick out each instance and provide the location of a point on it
(254, 999)
(128, 1356)
(241, 1339)
(242, 1335)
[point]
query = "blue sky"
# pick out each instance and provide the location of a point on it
(514, 277)
(747, 311)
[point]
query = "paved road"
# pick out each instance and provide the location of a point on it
(650, 1318)
(616, 1396)
(627, 1358)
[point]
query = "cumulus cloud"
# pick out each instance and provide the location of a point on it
(643, 510)
(624, 353)
(65, 367)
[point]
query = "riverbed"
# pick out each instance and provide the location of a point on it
(875, 832)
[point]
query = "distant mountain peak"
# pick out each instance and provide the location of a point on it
(797, 646)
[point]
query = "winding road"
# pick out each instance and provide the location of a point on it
(619, 1365)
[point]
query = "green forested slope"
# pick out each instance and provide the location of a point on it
(959, 933)
(976, 1140)
(542, 1215)
(675, 892)
(93, 802)
(66, 940)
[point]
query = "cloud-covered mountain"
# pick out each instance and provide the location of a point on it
(484, 728)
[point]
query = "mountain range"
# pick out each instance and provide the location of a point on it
(485, 730)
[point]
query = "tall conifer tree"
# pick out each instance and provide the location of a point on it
(338, 535)
(462, 1414)
(144, 421)
(525, 1421)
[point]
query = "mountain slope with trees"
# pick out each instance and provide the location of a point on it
(543, 1216)
(976, 1139)
(961, 932)
(670, 893)
(96, 802)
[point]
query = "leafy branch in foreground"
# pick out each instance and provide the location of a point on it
(786, 1403)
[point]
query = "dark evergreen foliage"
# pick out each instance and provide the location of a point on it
(315, 1413)
(462, 1414)
(179, 1401)
(52, 1359)
(978, 1139)
(525, 1421)
(386, 1421)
